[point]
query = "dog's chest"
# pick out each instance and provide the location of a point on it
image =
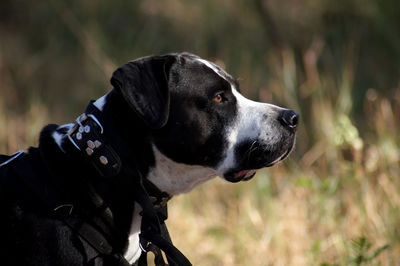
(133, 251)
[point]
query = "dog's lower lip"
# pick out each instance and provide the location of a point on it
(281, 158)
(249, 175)
(242, 175)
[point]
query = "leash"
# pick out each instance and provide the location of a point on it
(112, 159)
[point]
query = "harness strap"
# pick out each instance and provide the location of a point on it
(87, 137)
(87, 131)
(154, 234)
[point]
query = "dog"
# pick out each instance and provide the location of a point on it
(169, 124)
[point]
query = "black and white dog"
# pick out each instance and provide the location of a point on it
(180, 120)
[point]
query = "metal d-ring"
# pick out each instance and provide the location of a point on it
(97, 122)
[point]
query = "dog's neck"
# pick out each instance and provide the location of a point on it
(132, 131)
(168, 175)
(175, 178)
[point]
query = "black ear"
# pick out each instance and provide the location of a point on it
(144, 85)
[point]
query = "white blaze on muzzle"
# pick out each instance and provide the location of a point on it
(255, 122)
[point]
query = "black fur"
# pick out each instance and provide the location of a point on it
(166, 101)
(154, 101)
(195, 131)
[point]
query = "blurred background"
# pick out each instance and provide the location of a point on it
(335, 201)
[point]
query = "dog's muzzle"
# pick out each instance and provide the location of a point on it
(261, 156)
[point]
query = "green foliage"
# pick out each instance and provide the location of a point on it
(361, 253)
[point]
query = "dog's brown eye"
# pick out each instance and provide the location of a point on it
(218, 98)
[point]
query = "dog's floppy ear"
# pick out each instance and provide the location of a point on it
(144, 85)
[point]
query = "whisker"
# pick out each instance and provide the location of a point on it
(250, 150)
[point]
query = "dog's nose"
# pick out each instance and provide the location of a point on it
(289, 118)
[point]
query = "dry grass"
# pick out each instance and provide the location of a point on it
(314, 208)
(286, 218)
(342, 182)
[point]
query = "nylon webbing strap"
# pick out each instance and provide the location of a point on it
(155, 233)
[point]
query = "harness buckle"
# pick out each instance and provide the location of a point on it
(87, 135)
(144, 244)
(160, 202)
(81, 128)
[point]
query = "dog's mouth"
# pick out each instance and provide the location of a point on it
(236, 175)
(280, 158)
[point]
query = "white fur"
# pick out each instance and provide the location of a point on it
(175, 178)
(220, 72)
(133, 251)
(250, 123)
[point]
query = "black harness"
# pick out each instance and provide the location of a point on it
(105, 151)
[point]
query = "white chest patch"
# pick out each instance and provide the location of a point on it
(133, 251)
(175, 178)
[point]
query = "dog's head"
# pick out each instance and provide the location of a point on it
(197, 116)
